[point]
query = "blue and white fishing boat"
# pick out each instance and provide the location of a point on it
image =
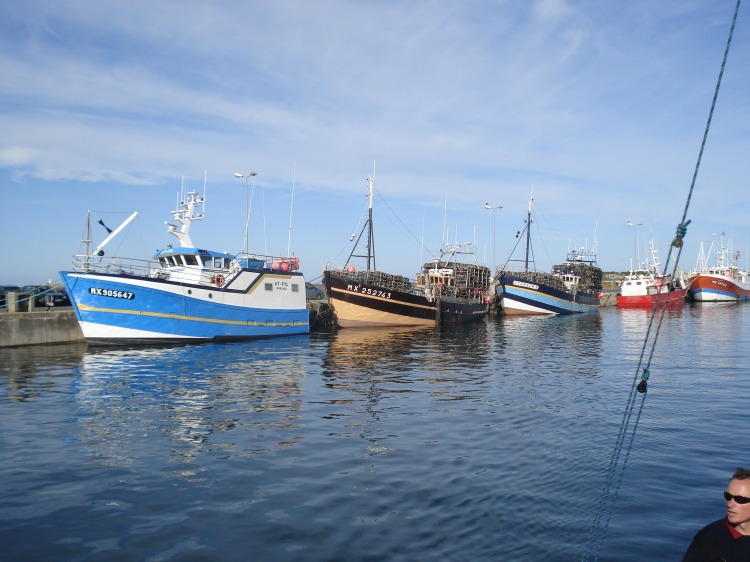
(573, 286)
(185, 294)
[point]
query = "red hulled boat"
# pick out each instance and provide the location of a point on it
(722, 282)
(641, 288)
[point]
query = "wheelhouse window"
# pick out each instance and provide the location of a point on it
(443, 280)
(191, 260)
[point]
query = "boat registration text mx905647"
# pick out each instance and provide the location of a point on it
(99, 292)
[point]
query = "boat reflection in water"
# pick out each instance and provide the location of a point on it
(400, 351)
(33, 370)
(188, 399)
(635, 322)
(369, 367)
(372, 349)
(565, 338)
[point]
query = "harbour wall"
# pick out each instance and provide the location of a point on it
(43, 327)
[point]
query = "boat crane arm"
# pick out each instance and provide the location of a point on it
(114, 233)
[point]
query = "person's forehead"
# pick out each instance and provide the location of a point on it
(740, 487)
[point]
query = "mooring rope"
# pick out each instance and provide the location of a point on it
(628, 426)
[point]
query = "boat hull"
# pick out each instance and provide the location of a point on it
(115, 308)
(357, 304)
(674, 298)
(718, 288)
(518, 297)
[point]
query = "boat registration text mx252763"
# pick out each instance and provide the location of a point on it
(368, 291)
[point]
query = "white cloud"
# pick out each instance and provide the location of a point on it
(11, 156)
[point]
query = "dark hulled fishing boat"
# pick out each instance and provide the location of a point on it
(445, 290)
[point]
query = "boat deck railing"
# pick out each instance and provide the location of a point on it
(83, 263)
(151, 269)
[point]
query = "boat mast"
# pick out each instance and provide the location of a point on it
(370, 234)
(528, 235)
(87, 242)
(291, 208)
(185, 214)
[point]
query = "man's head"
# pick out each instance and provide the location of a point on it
(737, 497)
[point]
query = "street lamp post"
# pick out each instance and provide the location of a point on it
(247, 201)
(494, 257)
(637, 251)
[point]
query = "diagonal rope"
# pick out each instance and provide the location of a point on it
(616, 471)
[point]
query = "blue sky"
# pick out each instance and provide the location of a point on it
(598, 106)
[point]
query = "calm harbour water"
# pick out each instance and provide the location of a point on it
(483, 442)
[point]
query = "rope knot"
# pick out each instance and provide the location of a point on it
(681, 233)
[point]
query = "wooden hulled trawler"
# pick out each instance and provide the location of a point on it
(445, 290)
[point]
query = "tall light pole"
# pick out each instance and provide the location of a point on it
(637, 251)
(494, 257)
(247, 201)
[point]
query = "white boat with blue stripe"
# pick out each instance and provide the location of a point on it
(574, 286)
(185, 294)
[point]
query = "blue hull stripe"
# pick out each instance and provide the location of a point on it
(546, 298)
(89, 313)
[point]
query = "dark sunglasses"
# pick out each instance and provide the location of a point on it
(738, 499)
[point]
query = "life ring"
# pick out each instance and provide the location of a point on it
(219, 280)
